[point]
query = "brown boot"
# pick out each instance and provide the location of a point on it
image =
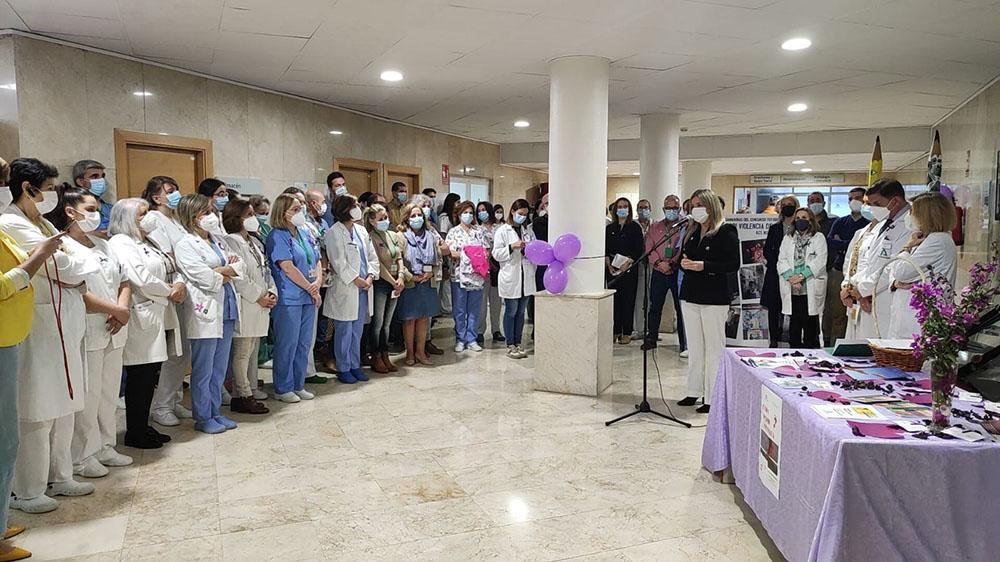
(388, 364)
(248, 405)
(378, 365)
(330, 365)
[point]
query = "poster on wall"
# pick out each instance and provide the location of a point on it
(746, 323)
(769, 452)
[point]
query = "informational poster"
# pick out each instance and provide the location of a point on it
(246, 186)
(746, 324)
(445, 176)
(769, 456)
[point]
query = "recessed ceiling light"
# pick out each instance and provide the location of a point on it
(336, 132)
(10, 86)
(806, 170)
(521, 123)
(142, 93)
(391, 75)
(798, 162)
(796, 44)
(798, 107)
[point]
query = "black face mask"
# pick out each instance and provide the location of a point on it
(801, 225)
(787, 210)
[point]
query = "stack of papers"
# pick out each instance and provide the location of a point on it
(891, 344)
(838, 412)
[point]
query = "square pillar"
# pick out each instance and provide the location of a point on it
(573, 342)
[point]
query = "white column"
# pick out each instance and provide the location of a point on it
(697, 175)
(578, 159)
(659, 138)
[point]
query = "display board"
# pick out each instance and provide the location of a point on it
(746, 323)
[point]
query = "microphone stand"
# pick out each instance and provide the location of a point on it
(643, 407)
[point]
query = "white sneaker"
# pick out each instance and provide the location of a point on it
(304, 394)
(259, 394)
(90, 468)
(165, 418)
(684, 354)
(182, 412)
(41, 504)
(226, 397)
(267, 364)
(110, 457)
(289, 397)
(459, 347)
(475, 346)
(70, 488)
(512, 351)
(121, 402)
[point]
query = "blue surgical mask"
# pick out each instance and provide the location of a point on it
(519, 218)
(622, 213)
(866, 212)
(401, 196)
(98, 186)
(671, 214)
(484, 216)
(816, 208)
(262, 219)
(173, 199)
(645, 214)
(416, 222)
(427, 212)
(340, 191)
(383, 225)
(220, 202)
(466, 218)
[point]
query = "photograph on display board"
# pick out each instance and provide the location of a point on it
(751, 281)
(733, 284)
(733, 322)
(755, 322)
(753, 251)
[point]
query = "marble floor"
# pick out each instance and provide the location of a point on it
(462, 461)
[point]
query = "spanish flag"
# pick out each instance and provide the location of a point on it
(875, 168)
(934, 165)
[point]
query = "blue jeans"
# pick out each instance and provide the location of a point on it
(347, 337)
(9, 429)
(659, 286)
(209, 363)
(293, 341)
(513, 319)
(466, 306)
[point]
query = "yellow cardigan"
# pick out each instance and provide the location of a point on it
(16, 295)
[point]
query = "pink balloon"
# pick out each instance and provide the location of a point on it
(566, 247)
(539, 252)
(555, 278)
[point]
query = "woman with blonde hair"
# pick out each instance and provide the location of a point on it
(802, 267)
(392, 278)
(711, 251)
(419, 301)
(770, 293)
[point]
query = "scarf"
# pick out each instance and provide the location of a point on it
(421, 250)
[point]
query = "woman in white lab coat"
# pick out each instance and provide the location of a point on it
(95, 428)
(52, 372)
(156, 288)
(930, 250)
(211, 309)
(516, 280)
(802, 268)
(258, 296)
(349, 299)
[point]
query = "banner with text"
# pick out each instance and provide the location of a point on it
(746, 324)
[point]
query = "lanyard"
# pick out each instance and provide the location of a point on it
(305, 248)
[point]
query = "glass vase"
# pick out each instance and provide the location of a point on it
(943, 377)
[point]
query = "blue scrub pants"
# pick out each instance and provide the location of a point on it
(209, 363)
(347, 337)
(513, 319)
(9, 430)
(293, 341)
(466, 306)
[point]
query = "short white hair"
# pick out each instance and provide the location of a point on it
(123, 216)
(419, 199)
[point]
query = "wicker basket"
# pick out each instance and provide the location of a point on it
(902, 359)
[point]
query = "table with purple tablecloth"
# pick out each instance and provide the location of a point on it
(843, 497)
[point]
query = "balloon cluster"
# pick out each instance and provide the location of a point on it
(557, 257)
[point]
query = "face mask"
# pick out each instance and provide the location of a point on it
(90, 221)
(816, 208)
(220, 202)
(645, 214)
(416, 223)
(427, 212)
(251, 224)
(98, 186)
(787, 210)
(340, 191)
(519, 218)
(322, 209)
(911, 224)
(498, 216)
(621, 213)
(856, 205)
(543, 212)
(483, 216)
(699, 214)
(209, 223)
(879, 213)
(401, 197)
(356, 214)
(173, 199)
(148, 223)
(466, 218)
(382, 225)
(866, 212)
(49, 201)
(671, 214)
(801, 225)
(298, 219)
(262, 219)
(6, 198)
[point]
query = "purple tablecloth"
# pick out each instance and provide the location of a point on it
(853, 498)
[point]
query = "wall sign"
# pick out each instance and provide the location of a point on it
(796, 178)
(445, 176)
(246, 186)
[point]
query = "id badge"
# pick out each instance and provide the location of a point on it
(886, 250)
(428, 268)
(668, 252)
(394, 269)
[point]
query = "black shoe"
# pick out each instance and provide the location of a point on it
(429, 347)
(498, 337)
(647, 345)
(161, 437)
(143, 441)
(481, 339)
(703, 409)
(689, 401)
(316, 379)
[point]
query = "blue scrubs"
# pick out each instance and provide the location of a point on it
(210, 358)
(347, 333)
(295, 312)
(8, 427)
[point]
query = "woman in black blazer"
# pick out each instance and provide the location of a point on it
(711, 253)
(623, 236)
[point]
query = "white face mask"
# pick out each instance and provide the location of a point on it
(148, 223)
(543, 212)
(49, 201)
(209, 222)
(251, 224)
(856, 205)
(298, 219)
(322, 209)
(6, 198)
(356, 214)
(498, 216)
(879, 213)
(90, 221)
(699, 214)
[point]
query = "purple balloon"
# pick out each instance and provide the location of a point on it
(555, 278)
(566, 247)
(946, 191)
(539, 252)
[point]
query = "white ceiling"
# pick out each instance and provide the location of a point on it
(474, 66)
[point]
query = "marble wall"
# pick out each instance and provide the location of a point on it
(71, 100)
(9, 143)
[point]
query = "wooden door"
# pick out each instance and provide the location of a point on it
(410, 175)
(361, 175)
(140, 156)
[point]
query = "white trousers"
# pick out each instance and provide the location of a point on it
(170, 389)
(705, 328)
(244, 364)
(96, 426)
(43, 457)
(311, 360)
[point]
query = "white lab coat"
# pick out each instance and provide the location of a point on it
(859, 322)
(936, 253)
(884, 246)
(345, 260)
(104, 283)
(42, 390)
(517, 274)
(256, 283)
(146, 270)
(206, 294)
(815, 285)
(166, 233)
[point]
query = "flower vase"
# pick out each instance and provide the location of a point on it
(943, 377)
